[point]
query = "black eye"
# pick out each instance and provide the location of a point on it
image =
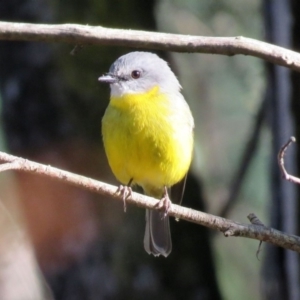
(135, 74)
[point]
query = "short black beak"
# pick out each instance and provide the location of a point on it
(108, 78)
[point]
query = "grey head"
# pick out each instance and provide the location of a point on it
(138, 72)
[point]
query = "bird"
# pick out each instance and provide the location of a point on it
(147, 131)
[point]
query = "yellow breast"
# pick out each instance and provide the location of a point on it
(148, 139)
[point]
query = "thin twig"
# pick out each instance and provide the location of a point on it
(281, 155)
(98, 35)
(255, 220)
(228, 227)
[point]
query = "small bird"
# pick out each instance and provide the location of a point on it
(147, 132)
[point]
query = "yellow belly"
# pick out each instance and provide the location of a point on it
(147, 140)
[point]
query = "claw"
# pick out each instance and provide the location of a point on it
(164, 203)
(125, 191)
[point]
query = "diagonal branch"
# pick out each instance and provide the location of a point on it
(98, 35)
(228, 227)
(245, 161)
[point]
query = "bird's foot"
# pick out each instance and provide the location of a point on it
(164, 203)
(125, 191)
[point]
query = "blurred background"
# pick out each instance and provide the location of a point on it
(61, 242)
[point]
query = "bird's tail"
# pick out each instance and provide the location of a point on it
(157, 240)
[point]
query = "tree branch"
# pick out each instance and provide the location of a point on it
(228, 227)
(97, 35)
(281, 155)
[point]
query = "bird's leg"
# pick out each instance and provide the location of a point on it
(165, 203)
(125, 191)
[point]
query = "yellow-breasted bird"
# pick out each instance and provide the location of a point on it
(148, 136)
